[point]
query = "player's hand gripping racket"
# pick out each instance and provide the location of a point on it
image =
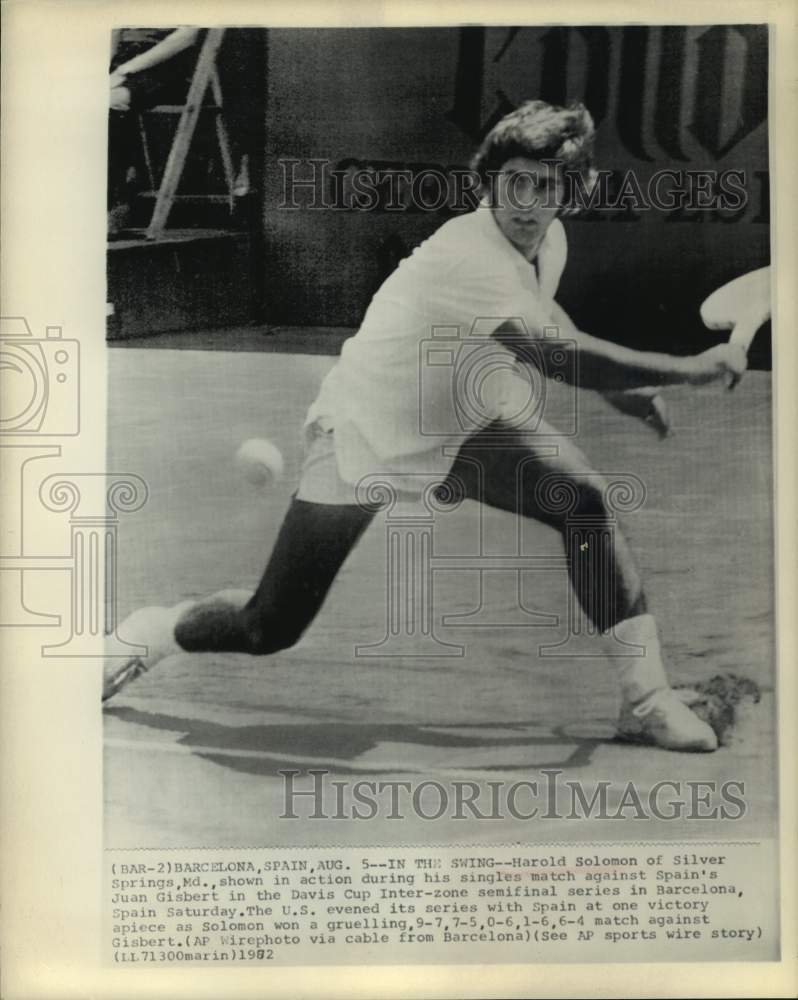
(741, 306)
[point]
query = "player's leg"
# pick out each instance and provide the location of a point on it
(319, 530)
(489, 465)
(606, 582)
(311, 546)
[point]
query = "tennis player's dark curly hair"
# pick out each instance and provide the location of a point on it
(540, 131)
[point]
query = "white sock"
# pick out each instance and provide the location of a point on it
(640, 676)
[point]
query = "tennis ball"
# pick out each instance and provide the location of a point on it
(260, 462)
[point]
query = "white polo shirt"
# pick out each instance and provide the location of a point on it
(422, 371)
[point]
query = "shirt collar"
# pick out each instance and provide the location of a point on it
(491, 228)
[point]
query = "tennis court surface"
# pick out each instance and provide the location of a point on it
(194, 750)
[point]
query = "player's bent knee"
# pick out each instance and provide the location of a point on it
(233, 632)
(224, 625)
(263, 643)
(267, 634)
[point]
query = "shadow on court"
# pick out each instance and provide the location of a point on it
(339, 742)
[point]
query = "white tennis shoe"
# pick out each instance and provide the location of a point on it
(153, 627)
(663, 719)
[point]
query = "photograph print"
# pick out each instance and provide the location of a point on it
(441, 357)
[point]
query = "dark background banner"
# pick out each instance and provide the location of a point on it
(690, 100)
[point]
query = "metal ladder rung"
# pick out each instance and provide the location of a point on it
(218, 199)
(177, 109)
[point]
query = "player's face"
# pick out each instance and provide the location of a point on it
(526, 199)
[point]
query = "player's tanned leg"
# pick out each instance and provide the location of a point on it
(503, 467)
(489, 465)
(311, 546)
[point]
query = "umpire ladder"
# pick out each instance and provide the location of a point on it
(205, 76)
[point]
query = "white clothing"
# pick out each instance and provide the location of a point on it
(422, 373)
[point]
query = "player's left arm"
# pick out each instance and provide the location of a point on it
(628, 379)
(604, 365)
(598, 364)
(644, 402)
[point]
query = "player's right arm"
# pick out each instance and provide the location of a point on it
(602, 365)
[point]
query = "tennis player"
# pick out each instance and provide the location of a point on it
(490, 276)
